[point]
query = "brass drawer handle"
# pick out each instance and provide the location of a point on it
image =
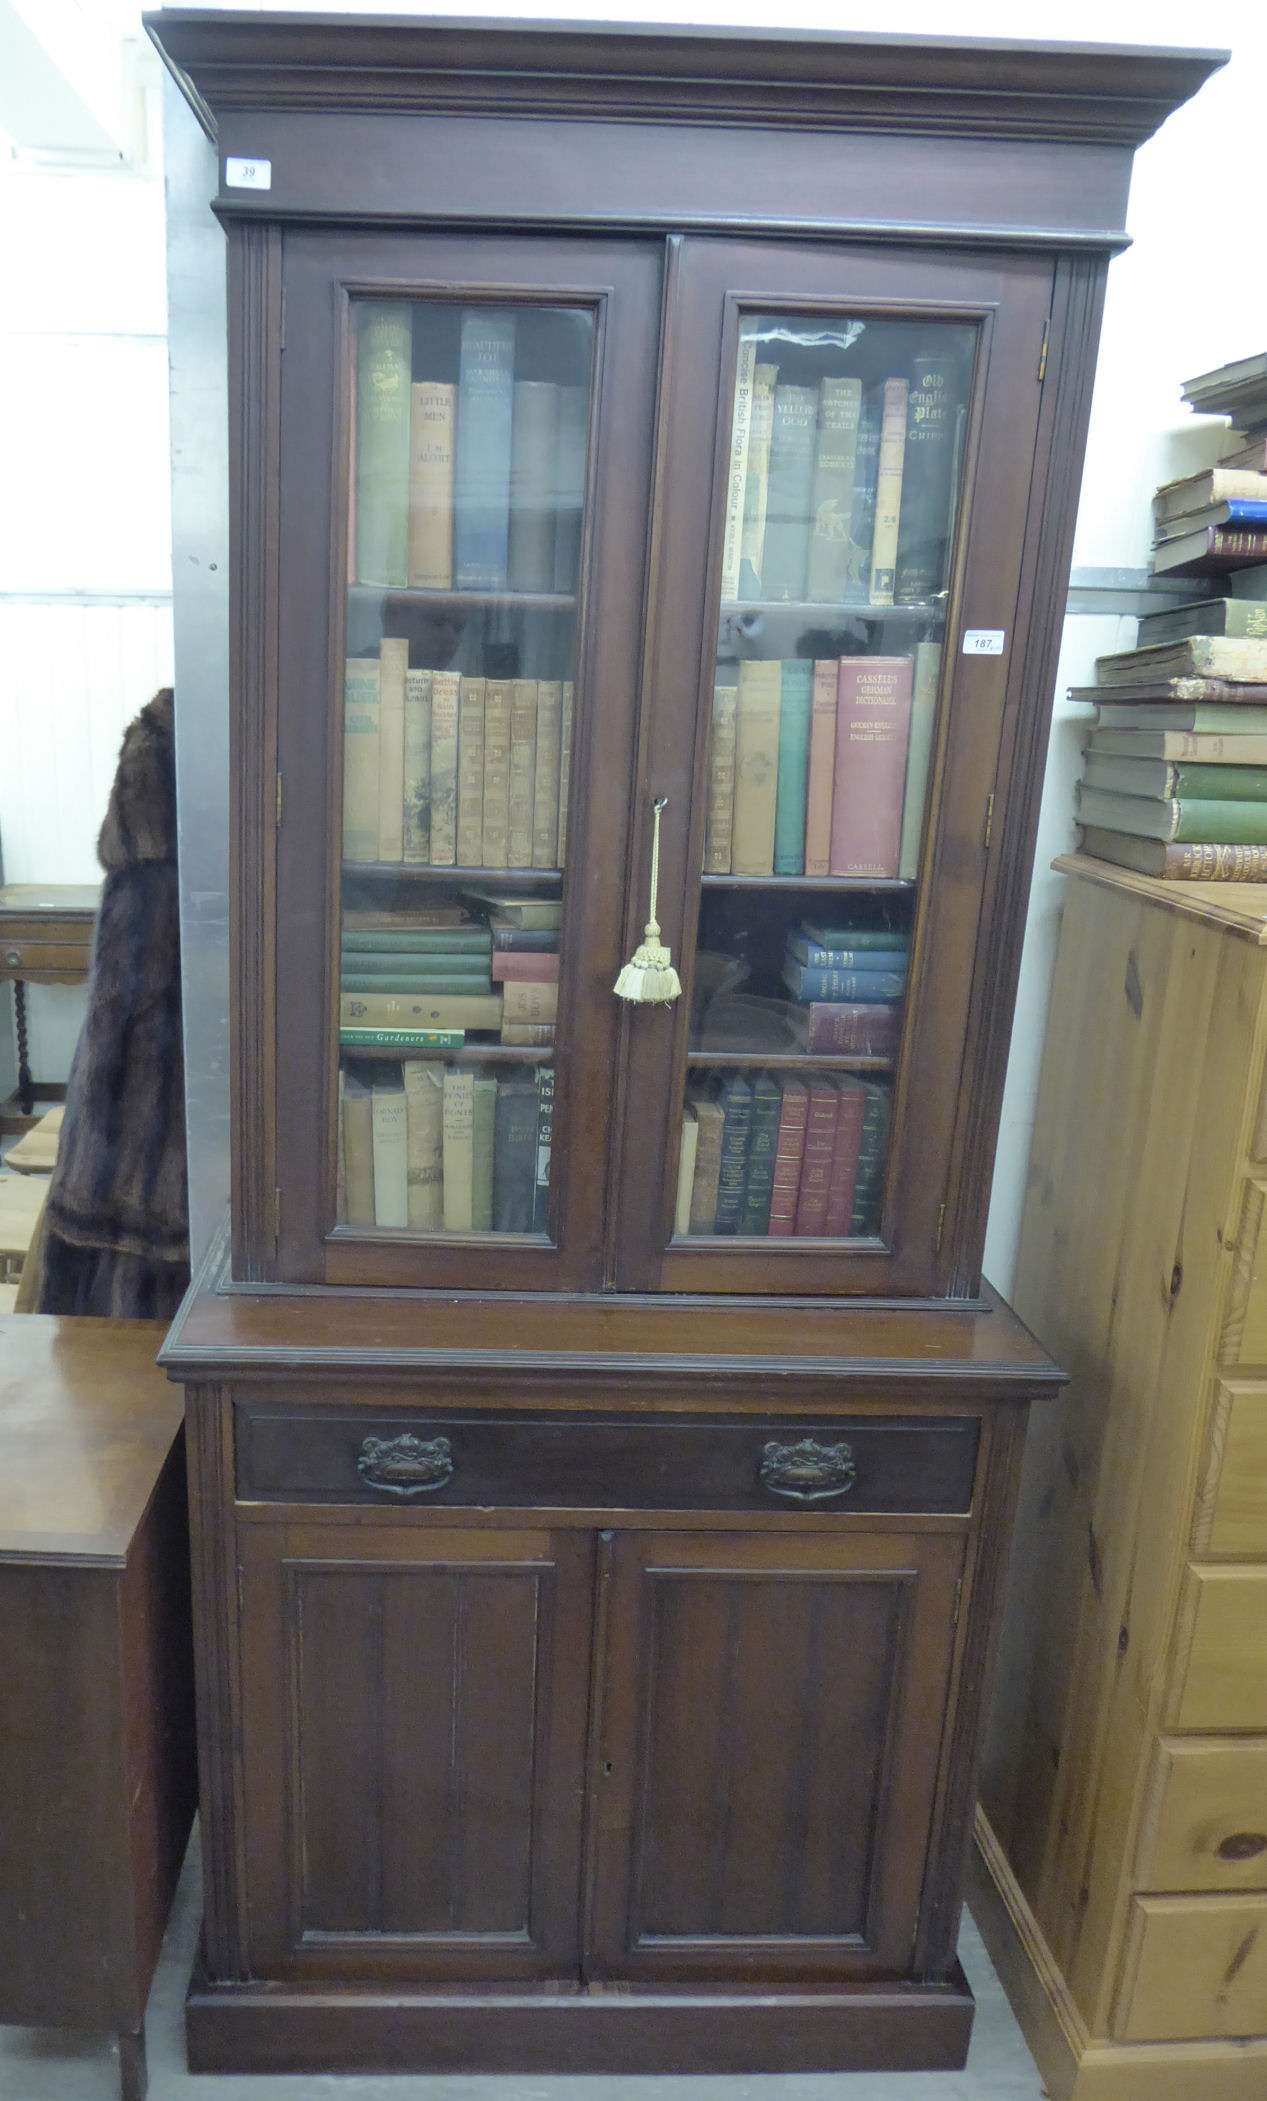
(12, 957)
(405, 1466)
(808, 1472)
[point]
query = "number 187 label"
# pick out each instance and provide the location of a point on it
(984, 641)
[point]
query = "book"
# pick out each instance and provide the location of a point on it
(1205, 717)
(801, 949)
(789, 478)
(862, 522)
(888, 491)
(832, 937)
(820, 1139)
(1194, 863)
(358, 1149)
(458, 1147)
(1228, 389)
(424, 1143)
(534, 445)
(530, 999)
(545, 1145)
(1220, 821)
(737, 460)
(719, 818)
(565, 769)
(393, 663)
(509, 964)
(1174, 692)
(756, 487)
(789, 1148)
(735, 1097)
(1238, 657)
(868, 1028)
(816, 981)
(523, 940)
(402, 1039)
(483, 1109)
(1233, 510)
(416, 770)
(384, 355)
(758, 1181)
(919, 752)
(471, 939)
(756, 766)
(872, 1154)
(795, 676)
(1168, 777)
(432, 424)
(515, 1154)
(574, 410)
(710, 1120)
(873, 718)
(1246, 451)
(846, 1150)
(410, 978)
(831, 497)
(528, 1035)
(523, 769)
(387, 1128)
(1207, 616)
(340, 1162)
(360, 758)
(429, 1010)
(928, 461)
(495, 804)
(481, 480)
(687, 1144)
(470, 802)
(508, 909)
(445, 708)
(545, 791)
(1211, 550)
(821, 767)
(1210, 747)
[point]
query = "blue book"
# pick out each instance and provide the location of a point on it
(481, 478)
(801, 949)
(811, 981)
(1245, 510)
(862, 519)
(735, 1099)
(796, 676)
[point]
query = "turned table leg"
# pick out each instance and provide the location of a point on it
(132, 2067)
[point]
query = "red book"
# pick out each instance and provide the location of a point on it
(867, 1028)
(788, 1152)
(820, 1145)
(524, 963)
(873, 727)
(844, 1159)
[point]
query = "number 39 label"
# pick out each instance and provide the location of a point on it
(247, 174)
(984, 641)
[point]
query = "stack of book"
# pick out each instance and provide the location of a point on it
(1216, 521)
(443, 771)
(849, 983)
(436, 1147)
(841, 493)
(767, 1155)
(416, 987)
(525, 936)
(1174, 779)
(820, 768)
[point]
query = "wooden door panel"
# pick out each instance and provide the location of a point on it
(772, 1724)
(423, 1706)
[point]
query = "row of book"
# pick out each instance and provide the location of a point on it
(840, 493)
(433, 1146)
(820, 768)
(473, 484)
(443, 771)
(845, 973)
(1209, 523)
(768, 1155)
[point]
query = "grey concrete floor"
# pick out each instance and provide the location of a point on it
(40, 2064)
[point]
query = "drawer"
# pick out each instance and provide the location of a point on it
(1244, 1336)
(1194, 1966)
(1231, 1509)
(1220, 1676)
(586, 1462)
(1205, 1816)
(25, 958)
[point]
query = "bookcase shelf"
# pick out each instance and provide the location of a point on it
(456, 877)
(466, 1053)
(832, 883)
(787, 1061)
(396, 595)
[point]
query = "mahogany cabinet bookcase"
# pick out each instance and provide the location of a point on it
(654, 458)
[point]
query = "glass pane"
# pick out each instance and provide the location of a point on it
(466, 486)
(841, 505)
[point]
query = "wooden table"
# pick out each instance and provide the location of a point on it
(45, 939)
(97, 1769)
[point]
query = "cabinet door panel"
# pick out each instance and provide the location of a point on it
(770, 1739)
(414, 1746)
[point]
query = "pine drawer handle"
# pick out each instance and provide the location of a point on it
(406, 1466)
(808, 1472)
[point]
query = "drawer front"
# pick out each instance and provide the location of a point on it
(1244, 1337)
(1205, 1817)
(578, 1462)
(1194, 1966)
(1231, 1509)
(1220, 1675)
(25, 958)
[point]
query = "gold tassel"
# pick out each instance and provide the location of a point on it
(649, 975)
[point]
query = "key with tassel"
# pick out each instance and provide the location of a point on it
(649, 975)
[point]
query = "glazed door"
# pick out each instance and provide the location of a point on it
(466, 437)
(836, 646)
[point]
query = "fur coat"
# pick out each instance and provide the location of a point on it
(116, 1237)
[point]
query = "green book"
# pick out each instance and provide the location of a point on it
(873, 1149)
(789, 805)
(402, 1039)
(416, 963)
(763, 1138)
(788, 492)
(1239, 617)
(384, 354)
(515, 1154)
(1211, 822)
(422, 983)
(1170, 777)
(735, 1097)
(440, 940)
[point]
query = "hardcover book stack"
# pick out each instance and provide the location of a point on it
(525, 965)
(849, 983)
(1211, 523)
(766, 1155)
(430, 1146)
(415, 986)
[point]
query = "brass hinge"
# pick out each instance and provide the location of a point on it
(279, 802)
(1042, 355)
(989, 818)
(941, 1220)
